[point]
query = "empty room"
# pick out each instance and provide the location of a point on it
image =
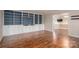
(39, 28)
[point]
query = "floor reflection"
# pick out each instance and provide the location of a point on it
(62, 39)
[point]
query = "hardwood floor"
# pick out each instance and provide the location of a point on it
(75, 42)
(39, 39)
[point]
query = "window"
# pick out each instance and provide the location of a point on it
(30, 19)
(17, 18)
(75, 17)
(36, 19)
(27, 19)
(8, 17)
(40, 19)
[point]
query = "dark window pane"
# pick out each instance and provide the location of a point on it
(8, 17)
(40, 19)
(36, 19)
(27, 20)
(8, 23)
(30, 18)
(8, 12)
(17, 18)
(17, 13)
(30, 15)
(30, 21)
(25, 15)
(17, 23)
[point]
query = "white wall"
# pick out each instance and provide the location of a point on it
(17, 29)
(1, 24)
(51, 22)
(55, 23)
(71, 25)
(63, 24)
(48, 21)
(74, 28)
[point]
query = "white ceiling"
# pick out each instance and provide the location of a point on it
(53, 11)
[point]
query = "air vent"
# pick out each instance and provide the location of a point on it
(75, 17)
(59, 20)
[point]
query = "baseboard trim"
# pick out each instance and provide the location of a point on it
(1, 39)
(74, 36)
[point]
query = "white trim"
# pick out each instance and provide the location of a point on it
(33, 19)
(13, 18)
(74, 36)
